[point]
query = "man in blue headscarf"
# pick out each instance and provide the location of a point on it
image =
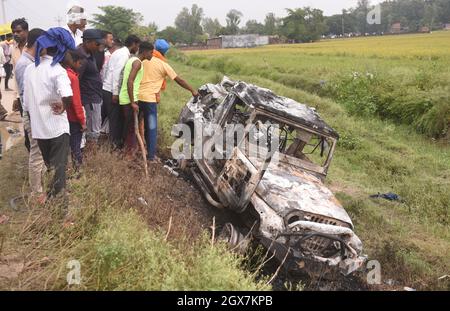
(47, 94)
(59, 39)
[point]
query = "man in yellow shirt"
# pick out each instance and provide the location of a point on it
(155, 73)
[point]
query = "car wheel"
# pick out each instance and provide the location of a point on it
(237, 241)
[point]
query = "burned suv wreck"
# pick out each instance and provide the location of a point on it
(281, 197)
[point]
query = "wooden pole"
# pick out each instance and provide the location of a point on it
(141, 142)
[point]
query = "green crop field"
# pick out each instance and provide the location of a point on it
(402, 78)
(389, 99)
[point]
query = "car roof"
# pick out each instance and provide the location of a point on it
(265, 99)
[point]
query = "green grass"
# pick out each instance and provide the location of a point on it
(120, 244)
(124, 254)
(401, 78)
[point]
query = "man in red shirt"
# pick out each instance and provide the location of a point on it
(75, 113)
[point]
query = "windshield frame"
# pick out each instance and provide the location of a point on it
(309, 166)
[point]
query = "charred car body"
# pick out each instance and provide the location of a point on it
(281, 198)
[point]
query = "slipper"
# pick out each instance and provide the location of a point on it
(3, 219)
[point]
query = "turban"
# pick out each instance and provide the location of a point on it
(75, 15)
(162, 46)
(58, 38)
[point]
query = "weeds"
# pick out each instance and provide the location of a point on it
(120, 243)
(404, 80)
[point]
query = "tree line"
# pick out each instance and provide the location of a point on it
(298, 25)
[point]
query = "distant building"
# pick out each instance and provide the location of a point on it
(227, 42)
(396, 28)
(275, 40)
(447, 26)
(238, 41)
(214, 43)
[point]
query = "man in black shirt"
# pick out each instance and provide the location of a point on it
(91, 84)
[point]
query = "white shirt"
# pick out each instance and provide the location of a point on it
(105, 65)
(45, 85)
(114, 70)
(78, 36)
(2, 57)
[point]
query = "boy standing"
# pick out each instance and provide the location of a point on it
(132, 77)
(75, 112)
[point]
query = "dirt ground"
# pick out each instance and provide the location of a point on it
(10, 130)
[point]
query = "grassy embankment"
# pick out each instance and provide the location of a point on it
(121, 243)
(376, 154)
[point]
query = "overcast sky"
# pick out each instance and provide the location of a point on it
(45, 13)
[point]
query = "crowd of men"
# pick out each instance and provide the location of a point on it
(75, 85)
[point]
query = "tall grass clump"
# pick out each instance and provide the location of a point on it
(420, 103)
(125, 255)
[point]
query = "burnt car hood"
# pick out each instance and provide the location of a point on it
(286, 188)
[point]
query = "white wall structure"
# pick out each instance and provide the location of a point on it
(244, 41)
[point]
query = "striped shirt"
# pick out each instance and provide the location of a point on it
(45, 85)
(22, 64)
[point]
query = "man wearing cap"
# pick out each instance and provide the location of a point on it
(76, 23)
(155, 73)
(91, 84)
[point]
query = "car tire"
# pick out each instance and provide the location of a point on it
(234, 238)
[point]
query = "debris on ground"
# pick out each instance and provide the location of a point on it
(4, 219)
(172, 171)
(387, 196)
(13, 131)
(390, 282)
(143, 201)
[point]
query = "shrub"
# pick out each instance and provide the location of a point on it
(424, 105)
(125, 255)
